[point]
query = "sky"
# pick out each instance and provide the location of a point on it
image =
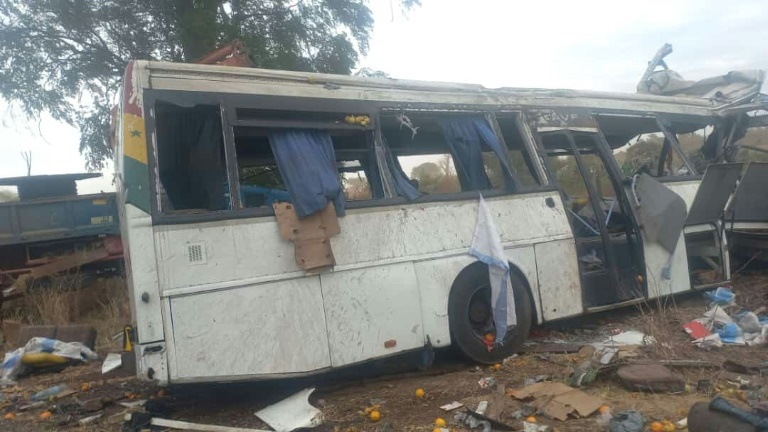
(589, 44)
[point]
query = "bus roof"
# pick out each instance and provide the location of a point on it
(402, 93)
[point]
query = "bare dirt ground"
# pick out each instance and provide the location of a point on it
(344, 398)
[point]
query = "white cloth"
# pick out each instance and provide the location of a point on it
(486, 247)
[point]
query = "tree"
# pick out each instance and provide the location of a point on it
(428, 175)
(8, 196)
(66, 57)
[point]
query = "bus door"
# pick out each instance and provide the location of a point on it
(609, 252)
(678, 214)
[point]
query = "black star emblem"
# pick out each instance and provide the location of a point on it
(135, 133)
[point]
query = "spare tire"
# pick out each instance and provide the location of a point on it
(470, 315)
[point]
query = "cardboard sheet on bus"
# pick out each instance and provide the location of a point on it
(311, 235)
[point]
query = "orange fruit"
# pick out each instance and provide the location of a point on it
(85, 387)
(604, 409)
(657, 427)
(489, 337)
(531, 419)
(9, 416)
(440, 423)
(420, 393)
(45, 415)
(496, 367)
(375, 416)
(668, 426)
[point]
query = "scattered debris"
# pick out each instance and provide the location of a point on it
(175, 424)
(650, 377)
(557, 400)
(48, 393)
(630, 337)
(13, 365)
(721, 296)
(451, 406)
(112, 362)
(627, 421)
(292, 413)
(487, 382)
(696, 330)
(134, 404)
(536, 379)
(90, 419)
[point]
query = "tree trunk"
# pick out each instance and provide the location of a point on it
(198, 26)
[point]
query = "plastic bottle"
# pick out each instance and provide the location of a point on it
(604, 417)
(47, 393)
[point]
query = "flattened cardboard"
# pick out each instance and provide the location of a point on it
(311, 235)
(314, 254)
(557, 400)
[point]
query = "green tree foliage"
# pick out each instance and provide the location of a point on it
(645, 152)
(8, 196)
(428, 175)
(66, 57)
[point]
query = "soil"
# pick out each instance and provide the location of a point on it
(344, 397)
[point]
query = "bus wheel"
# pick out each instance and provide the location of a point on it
(471, 318)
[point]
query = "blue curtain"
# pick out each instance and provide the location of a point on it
(307, 163)
(402, 185)
(190, 156)
(468, 137)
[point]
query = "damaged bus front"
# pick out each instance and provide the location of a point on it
(283, 224)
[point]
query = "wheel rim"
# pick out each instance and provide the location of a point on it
(479, 312)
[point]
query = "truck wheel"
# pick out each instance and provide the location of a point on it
(471, 318)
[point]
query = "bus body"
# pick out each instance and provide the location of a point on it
(217, 294)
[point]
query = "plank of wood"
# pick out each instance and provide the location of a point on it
(689, 363)
(175, 424)
(563, 348)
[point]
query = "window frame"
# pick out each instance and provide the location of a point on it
(229, 103)
(670, 143)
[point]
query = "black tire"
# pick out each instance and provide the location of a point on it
(474, 280)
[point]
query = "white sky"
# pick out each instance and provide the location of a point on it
(591, 44)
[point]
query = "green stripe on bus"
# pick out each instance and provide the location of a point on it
(136, 178)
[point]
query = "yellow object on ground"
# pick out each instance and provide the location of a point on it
(45, 415)
(420, 393)
(42, 359)
(375, 416)
(440, 423)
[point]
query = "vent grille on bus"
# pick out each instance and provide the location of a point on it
(195, 254)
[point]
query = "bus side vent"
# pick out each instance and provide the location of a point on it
(195, 254)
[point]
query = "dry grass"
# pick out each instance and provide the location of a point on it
(103, 303)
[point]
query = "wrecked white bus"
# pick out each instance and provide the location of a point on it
(238, 268)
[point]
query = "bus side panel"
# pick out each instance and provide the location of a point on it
(372, 312)
(142, 275)
(657, 258)
(436, 277)
(272, 328)
(233, 250)
(559, 280)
